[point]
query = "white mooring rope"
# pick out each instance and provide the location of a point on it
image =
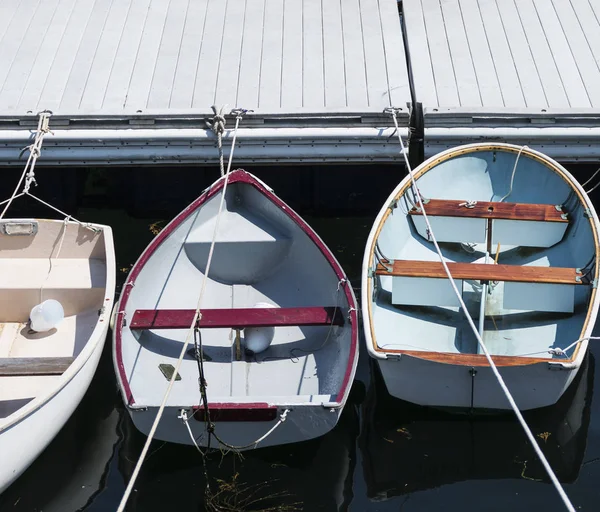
(197, 317)
(35, 151)
(509, 397)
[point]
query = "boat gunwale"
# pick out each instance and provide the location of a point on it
(236, 176)
(399, 191)
(102, 324)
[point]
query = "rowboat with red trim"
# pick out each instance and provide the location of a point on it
(278, 329)
(520, 237)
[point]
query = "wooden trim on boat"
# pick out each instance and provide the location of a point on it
(238, 318)
(487, 147)
(255, 411)
(236, 176)
(472, 359)
(492, 210)
(482, 272)
(30, 366)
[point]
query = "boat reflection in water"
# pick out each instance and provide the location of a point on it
(314, 475)
(408, 448)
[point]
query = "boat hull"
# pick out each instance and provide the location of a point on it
(459, 386)
(301, 424)
(24, 441)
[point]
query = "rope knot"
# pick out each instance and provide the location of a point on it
(468, 204)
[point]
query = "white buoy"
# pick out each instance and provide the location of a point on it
(258, 339)
(46, 316)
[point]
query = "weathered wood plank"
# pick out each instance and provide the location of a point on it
(482, 272)
(236, 318)
(492, 210)
(29, 366)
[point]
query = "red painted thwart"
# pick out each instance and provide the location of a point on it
(236, 318)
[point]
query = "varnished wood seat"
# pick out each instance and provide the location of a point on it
(482, 272)
(425, 283)
(239, 318)
(492, 210)
(28, 366)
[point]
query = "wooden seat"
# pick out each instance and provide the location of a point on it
(236, 318)
(492, 210)
(425, 283)
(28, 366)
(482, 272)
(508, 224)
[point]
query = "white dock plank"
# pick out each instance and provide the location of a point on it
(168, 53)
(580, 49)
(104, 58)
(107, 57)
(292, 63)
(189, 54)
(210, 54)
(464, 72)
(272, 44)
(537, 42)
(78, 77)
(229, 63)
(420, 54)
(28, 94)
(375, 64)
(45, 60)
(50, 94)
(485, 70)
(354, 60)
(126, 54)
(563, 57)
(590, 26)
(333, 53)
(313, 82)
(145, 65)
(529, 78)
(502, 55)
(15, 74)
(395, 57)
(247, 91)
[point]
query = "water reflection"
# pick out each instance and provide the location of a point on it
(407, 448)
(314, 475)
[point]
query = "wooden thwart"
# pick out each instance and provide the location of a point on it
(28, 366)
(492, 210)
(236, 318)
(482, 272)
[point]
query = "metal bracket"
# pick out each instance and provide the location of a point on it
(595, 283)
(394, 357)
(558, 207)
(389, 266)
(587, 213)
(393, 204)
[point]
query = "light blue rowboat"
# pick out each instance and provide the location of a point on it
(520, 236)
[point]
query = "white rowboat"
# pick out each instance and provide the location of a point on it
(44, 375)
(271, 276)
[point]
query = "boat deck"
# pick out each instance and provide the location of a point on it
(133, 82)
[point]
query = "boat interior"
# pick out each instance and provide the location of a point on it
(519, 243)
(40, 260)
(267, 275)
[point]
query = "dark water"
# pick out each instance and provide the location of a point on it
(384, 455)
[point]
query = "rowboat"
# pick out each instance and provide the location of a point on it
(47, 364)
(520, 237)
(277, 341)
